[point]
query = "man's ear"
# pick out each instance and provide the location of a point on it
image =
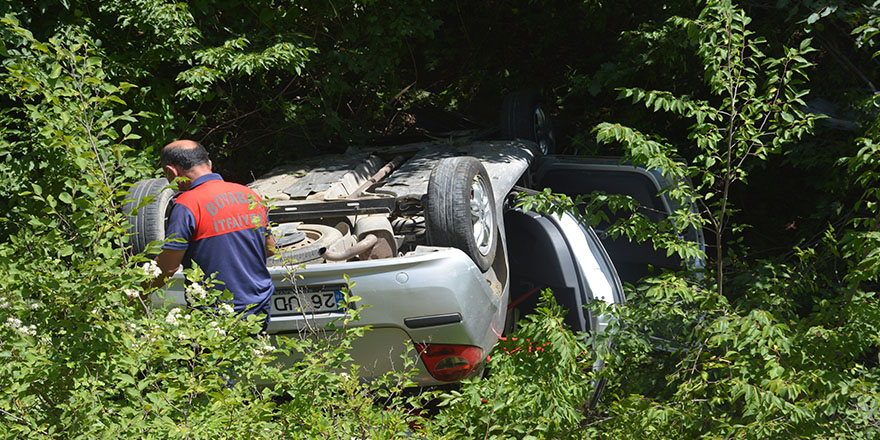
(210, 165)
(170, 172)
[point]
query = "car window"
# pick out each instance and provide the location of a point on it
(640, 187)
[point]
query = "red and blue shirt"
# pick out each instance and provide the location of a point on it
(223, 228)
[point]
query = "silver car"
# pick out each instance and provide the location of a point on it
(429, 235)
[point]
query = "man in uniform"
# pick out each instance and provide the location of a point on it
(222, 226)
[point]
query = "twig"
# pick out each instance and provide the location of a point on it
(88, 126)
(227, 122)
(21, 420)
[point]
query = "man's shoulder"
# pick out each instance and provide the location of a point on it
(221, 198)
(212, 188)
(220, 185)
(232, 189)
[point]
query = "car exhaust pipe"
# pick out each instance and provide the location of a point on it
(375, 178)
(360, 247)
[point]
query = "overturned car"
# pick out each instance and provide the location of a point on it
(430, 236)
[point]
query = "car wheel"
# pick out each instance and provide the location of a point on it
(460, 209)
(523, 116)
(148, 222)
(315, 239)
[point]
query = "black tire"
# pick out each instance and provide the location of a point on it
(147, 222)
(524, 116)
(449, 218)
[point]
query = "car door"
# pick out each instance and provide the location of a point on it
(575, 176)
(565, 256)
(561, 254)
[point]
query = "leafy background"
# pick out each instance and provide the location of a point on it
(779, 339)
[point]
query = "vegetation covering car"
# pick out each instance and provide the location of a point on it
(429, 235)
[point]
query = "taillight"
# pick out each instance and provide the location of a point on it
(449, 362)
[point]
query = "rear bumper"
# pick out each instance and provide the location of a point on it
(434, 297)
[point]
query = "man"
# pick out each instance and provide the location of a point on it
(222, 226)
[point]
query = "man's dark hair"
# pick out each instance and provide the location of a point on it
(183, 157)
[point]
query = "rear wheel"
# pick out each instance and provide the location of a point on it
(523, 116)
(147, 222)
(460, 209)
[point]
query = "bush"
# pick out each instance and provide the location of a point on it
(538, 384)
(83, 355)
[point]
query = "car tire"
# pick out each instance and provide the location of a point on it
(317, 239)
(149, 221)
(524, 116)
(460, 209)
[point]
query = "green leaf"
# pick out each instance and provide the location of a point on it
(56, 71)
(126, 378)
(805, 43)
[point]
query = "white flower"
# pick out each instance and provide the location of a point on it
(216, 327)
(263, 349)
(151, 269)
(226, 308)
(173, 317)
(15, 324)
(4, 304)
(34, 305)
(195, 291)
(132, 293)
(182, 335)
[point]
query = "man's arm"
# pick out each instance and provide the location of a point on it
(270, 245)
(169, 261)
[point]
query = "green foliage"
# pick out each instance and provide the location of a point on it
(868, 31)
(253, 75)
(63, 144)
(297, 66)
(777, 348)
(627, 217)
(755, 112)
(225, 63)
(65, 168)
(868, 37)
(83, 355)
(538, 385)
(787, 360)
(861, 243)
(784, 346)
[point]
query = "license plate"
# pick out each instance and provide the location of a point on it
(288, 301)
